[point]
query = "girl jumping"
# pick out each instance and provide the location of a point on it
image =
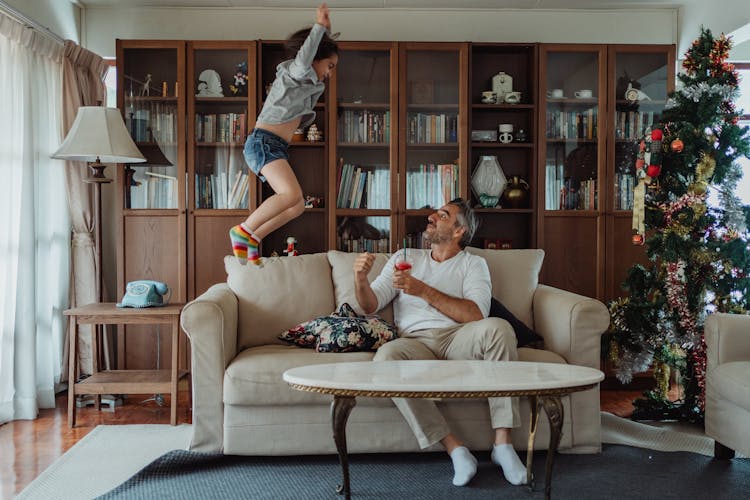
(289, 105)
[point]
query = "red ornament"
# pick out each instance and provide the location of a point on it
(653, 171)
(657, 134)
(677, 146)
(638, 239)
(640, 163)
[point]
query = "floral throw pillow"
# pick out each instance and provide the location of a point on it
(342, 331)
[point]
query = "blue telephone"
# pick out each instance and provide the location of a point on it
(145, 293)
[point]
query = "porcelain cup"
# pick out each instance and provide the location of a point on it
(584, 94)
(505, 134)
(489, 97)
(513, 97)
(555, 93)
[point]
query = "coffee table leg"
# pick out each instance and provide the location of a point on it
(340, 410)
(534, 402)
(554, 409)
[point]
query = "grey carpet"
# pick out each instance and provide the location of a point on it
(618, 472)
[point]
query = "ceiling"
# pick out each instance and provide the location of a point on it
(385, 4)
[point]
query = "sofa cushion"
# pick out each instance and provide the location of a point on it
(254, 377)
(283, 293)
(729, 382)
(515, 276)
(342, 274)
(342, 331)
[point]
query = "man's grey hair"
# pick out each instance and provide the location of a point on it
(465, 218)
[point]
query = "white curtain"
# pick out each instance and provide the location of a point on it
(34, 222)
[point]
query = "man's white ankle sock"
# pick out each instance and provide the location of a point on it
(506, 457)
(464, 465)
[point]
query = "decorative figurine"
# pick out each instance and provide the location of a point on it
(313, 134)
(239, 87)
(209, 84)
(146, 88)
(290, 250)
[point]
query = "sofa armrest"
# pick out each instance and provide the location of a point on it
(571, 324)
(210, 321)
(727, 338)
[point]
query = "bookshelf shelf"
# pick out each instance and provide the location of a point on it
(503, 107)
(500, 145)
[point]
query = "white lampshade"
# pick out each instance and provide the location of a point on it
(99, 133)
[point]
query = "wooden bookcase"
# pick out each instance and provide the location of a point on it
(399, 114)
(588, 134)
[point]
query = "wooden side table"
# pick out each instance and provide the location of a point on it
(123, 381)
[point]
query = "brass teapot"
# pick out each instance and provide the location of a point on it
(516, 194)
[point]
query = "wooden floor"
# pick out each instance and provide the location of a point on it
(27, 447)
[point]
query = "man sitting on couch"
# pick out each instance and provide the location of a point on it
(440, 307)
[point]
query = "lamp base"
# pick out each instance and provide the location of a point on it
(97, 174)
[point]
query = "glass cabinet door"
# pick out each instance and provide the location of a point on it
(151, 94)
(433, 92)
(218, 121)
(218, 126)
(221, 86)
(640, 78)
(572, 92)
(640, 90)
(365, 146)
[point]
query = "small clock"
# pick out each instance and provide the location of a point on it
(632, 95)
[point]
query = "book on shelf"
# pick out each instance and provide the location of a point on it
(362, 186)
(426, 128)
(153, 190)
(364, 126)
(221, 127)
(431, 185)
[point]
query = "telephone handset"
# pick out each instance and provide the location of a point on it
(145, 293)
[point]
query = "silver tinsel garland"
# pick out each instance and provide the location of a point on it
(703, 89)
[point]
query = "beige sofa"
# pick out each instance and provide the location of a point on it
(242, 406)
(728, 384)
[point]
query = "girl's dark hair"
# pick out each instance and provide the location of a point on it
(326, 48)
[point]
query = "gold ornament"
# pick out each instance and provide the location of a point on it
(698, 187)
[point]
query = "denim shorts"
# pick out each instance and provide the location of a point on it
(262, 147)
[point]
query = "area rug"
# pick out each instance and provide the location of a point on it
(109, 455)
(618, 472)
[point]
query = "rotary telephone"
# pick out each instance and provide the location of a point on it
(145, 293)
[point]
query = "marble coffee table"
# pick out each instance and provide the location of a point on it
(543, 383)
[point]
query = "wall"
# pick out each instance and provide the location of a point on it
(104, 25)
(61, 17)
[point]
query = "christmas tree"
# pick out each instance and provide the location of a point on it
(699, 260)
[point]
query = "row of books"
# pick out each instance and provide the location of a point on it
(424, 128)
(572, 124)
(152, 121)
(153, 189)
(624, 184)
(365, 126)
(363, 187)
(223, 127)
(217, 192)
(566, 193)
(381, 245)
(633, 124)
(430, 185)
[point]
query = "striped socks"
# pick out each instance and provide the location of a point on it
(245, 244)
